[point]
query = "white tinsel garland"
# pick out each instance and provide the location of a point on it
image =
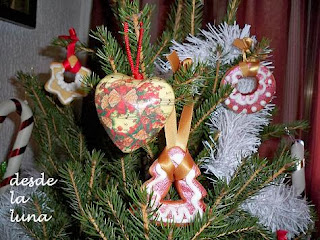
(8, 229)
(238, 138)
(278, 207)
(14, 230)
(203, 48)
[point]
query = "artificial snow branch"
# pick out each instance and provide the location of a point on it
(238, 138)
(279, 207)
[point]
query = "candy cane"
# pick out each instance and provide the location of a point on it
(22, 139)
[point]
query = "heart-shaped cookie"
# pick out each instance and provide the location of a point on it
(133, 111)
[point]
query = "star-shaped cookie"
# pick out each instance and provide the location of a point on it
(66, 92)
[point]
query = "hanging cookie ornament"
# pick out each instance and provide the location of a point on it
(65, 91)
(253, 95)
(133, 109)
(175, 165)
(13, 163)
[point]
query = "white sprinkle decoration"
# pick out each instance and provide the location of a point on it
(227, 102)
(263, 103)
(269, 81)
(268, 94)
(253, 109)
(244, 111)
(235, 108)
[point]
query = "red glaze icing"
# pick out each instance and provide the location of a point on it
(258, 98)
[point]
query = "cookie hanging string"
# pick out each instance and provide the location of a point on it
(71, 64)
(134, 69)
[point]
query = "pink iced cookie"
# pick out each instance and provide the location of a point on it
(190, 190)
(255, 100)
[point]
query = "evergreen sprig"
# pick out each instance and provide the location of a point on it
(282, 129)
(232, 8)
(192, 16)
(174, 30)
(101, 195)
(44, 202)
(203, 112)
(112, 57)
(80, 46)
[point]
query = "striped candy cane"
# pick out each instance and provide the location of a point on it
(22, 139)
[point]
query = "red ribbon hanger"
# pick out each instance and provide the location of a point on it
(134, 69)
(71, 52)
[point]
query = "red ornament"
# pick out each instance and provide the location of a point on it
(282, 235)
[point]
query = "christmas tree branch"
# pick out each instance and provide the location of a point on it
(44, 110)
(252, 177)
(192, 16)
(192, 24)
(63, 141)
(207, 113)
(217, 74)
(96, 227)
(232, 8)
(123, 171)
(112, 58)
(53, 103)
(81, 145)
(37, 99)
(135, 19)
(279, 130)
(59, 42)
(161, 48)
(30, 231)
(202, 228)
(115, 206)
(42, 203)
(43, 223)
(93, 170)
(225, 190)
(92, 80)
(235, 231)
(49, 141)
(203, 112)
(149, 151)
(75, 190)
(177, 21)
(279, 172)
(144, 210)
(173, 30)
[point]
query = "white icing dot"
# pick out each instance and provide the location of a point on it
(253, 109)
(227, 102)
(263, 103)
(235, 108)
(268, 94)
(269, 81)
(244, 111)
